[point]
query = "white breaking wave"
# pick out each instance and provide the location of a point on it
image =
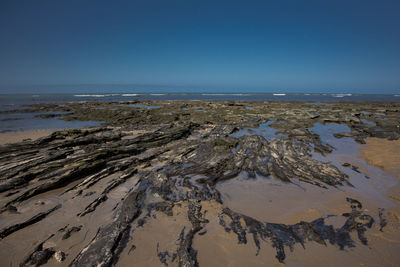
(90, 95)
(341, 95)
(213, 94)
(279, 94)
(396, 95)
(129, 94)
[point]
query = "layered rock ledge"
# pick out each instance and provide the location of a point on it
(92, 191)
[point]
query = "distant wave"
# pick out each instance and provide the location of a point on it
(224, 94)
(157, 94)
(396, 95)
(90, 95)
(97, 95)
(279, 94)
(341, 95)
(129, 94)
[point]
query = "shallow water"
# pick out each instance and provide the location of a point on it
(368, 122)
(27, 121)
(268, 199)
(263, 129)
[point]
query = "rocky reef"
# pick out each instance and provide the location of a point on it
(101, 185)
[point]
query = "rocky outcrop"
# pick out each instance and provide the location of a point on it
(151, 161)
(283, 236)
(103, 249)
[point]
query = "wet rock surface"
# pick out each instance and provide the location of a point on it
(100, 186)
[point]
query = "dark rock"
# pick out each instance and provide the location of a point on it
(101, 251)
(38, 217)
(281, 235)
(382, 219)
(71, 230)
(39, 255)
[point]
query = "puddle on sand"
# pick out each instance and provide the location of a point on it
(369, 183)
(269, 200)
(263, 129)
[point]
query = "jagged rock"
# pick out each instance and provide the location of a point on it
(102, 250)
(281, 235)
(15, 227)
(39, 255)
(71, 230)
(282, 158)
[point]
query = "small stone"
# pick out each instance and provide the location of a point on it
(12, 208)
(59, 256)
(203, 231)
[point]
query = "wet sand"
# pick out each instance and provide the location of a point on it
(382, 153)
(14, 137)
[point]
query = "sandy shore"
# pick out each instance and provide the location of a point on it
(383, 153)
(14, 137)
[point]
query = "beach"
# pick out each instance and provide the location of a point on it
(15, 137)
(202, 183)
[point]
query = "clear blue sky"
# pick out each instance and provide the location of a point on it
(292, 46)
